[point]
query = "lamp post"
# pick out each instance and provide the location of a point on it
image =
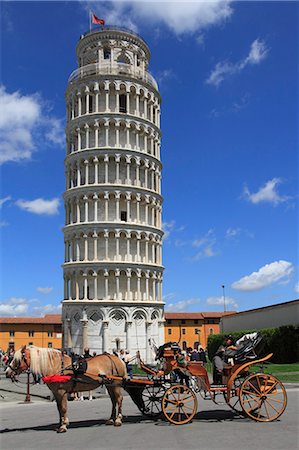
(224, 306)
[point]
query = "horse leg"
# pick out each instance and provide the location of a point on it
(113, 400)
(61, 402)
(119, 399)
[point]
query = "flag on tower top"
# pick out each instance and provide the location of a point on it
(97, 21)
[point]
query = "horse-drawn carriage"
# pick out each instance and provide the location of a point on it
(248, 391)
(253, 393)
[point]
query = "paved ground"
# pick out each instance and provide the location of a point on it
(32, 426)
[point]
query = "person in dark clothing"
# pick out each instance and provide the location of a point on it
(194, 356)
(86, 353)
(202, 355)
(218, 365)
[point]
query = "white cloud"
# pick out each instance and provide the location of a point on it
(206, 245)
(258, 52)
(19, 116)
(14, 307)
(45, 290)
(265, 276)
(168, 297)
(224, 69)
(180, 17)
(40, 206)
(56, 131)
(267, 193)
(167, 228)
(181, 305)
(3, 224)
(232, 232)
(24, 126)
(47, 309)
(200, 39)
(4, 200)
(165, 75)
(220, 301)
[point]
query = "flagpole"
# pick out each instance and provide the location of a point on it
(89, 20)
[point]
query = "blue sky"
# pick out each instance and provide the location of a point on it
(228, 76)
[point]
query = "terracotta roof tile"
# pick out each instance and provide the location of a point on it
(47, 319)
(196, 315)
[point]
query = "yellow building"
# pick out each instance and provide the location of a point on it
(40, 331)
(191, 329)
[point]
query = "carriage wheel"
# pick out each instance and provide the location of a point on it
(152, 397)
(263, 397)
(179, 404)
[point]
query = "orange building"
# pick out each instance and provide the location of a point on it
(192, 329)
(40, 331)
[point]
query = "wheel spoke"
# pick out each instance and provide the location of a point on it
(271, 388)
(188, 407)
(173, 402)
(251, 393)
(253, 408)
(258, 382)
(269, 403)
(254, 387)
(274, 400)
(266, 408)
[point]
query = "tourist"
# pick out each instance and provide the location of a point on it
(128, 361)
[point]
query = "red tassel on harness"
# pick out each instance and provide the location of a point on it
(56, 379)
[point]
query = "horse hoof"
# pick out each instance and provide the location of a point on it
(62, 430)
(109, 422)
(118, 423)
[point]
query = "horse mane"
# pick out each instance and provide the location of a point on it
(45, 361)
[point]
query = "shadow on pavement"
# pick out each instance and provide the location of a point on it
(203, 416)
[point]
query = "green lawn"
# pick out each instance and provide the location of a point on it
(278, 368)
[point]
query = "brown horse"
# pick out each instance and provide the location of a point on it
(48, 361)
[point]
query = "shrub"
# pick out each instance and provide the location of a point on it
(283, 342)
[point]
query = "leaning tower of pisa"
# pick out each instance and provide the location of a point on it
(113, 229)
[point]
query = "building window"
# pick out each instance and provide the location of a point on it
(196, 322)
(30, 343)
(184, 345)
(211, 331)
(196, 331)
(49, 344)
(123, 103)
(169, 331)
(50, 333)
(183, 330)
(107, 53)
(31, 333)
(196, 345)
(11, 333)
(123, 216)
(183, 321)
(210, 321)
(169, 321)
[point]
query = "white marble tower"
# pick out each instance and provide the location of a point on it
(113, 204)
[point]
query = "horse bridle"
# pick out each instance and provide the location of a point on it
(16, 370)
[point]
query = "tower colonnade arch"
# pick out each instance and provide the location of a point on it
(121, 168)
(113, 132)
(113, 96)
(113, 206)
